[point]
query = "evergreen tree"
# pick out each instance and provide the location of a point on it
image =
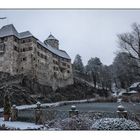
(78, 64)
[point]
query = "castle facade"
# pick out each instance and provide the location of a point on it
(22, 53)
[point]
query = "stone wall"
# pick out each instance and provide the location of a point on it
(26, 57)
(6, 59)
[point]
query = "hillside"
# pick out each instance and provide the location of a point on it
(23, 90)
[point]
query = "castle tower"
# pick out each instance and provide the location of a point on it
(52, 41)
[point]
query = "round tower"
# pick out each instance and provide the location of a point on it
(52, 41)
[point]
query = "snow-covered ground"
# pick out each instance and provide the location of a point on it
(122, 91)
(19, 125)
(133, 92)
(51, 104)
(135, 85)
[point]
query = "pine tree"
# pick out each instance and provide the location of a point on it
(78, 64)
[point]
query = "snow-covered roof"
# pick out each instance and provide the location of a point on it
(51, 37)
(25, 34)
(8, 30)
(135, 85)
(60, 53)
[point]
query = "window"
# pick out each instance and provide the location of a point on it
(55, 62)
(55, 68)
(64, 64)
(2, 47)
(55, 74)
(23, 50)
(68, 66)
(5, 39)
(15, 39)
(30, 48)
(0, 40)
(46, 57)
(68, 71)
(23, 41)
(16, 48)
(24, 58)
(41, 55)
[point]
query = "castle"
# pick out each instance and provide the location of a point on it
(23, 53)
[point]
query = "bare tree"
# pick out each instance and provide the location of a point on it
(124, 73)
(130, 42)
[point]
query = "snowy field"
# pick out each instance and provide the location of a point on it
(19, 125)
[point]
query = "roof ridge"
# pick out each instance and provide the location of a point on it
(55, 51)
(51, 37)
(8, 30)
(7, 25)
(14, 29)
(11, 30)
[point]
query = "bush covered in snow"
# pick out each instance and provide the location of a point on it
(114, 124)
(73, 123)
(76, 123)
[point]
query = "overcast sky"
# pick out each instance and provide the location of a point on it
(90, 33)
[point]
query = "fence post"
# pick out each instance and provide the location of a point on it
(122, 113)
(39, 114)
(73, 111)
(14, 113)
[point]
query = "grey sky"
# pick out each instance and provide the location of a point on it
(90, 33)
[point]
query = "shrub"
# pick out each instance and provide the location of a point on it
(73, 123)
(76, 123)
(114, 124)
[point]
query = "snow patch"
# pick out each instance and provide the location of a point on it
(19, 125)
(135, 85)
(122, 91)
(133, 91)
